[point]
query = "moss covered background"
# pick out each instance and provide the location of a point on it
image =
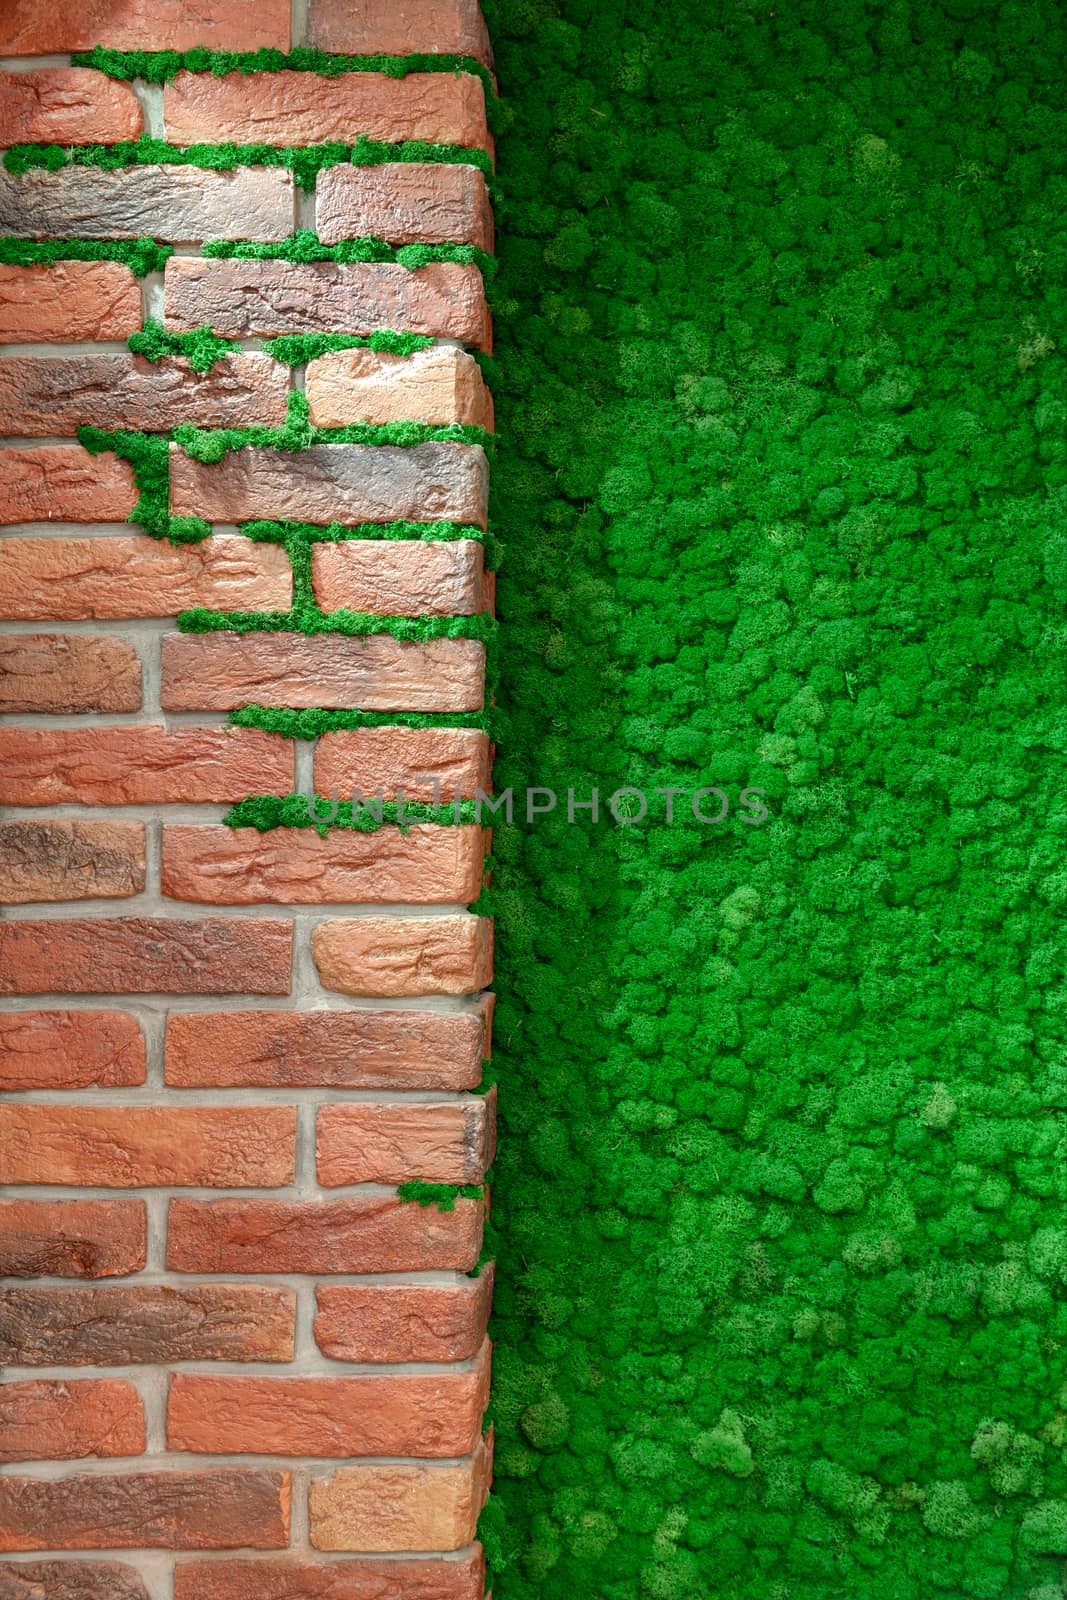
(783, 481)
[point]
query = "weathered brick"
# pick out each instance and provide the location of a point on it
(369, 759)
(72, 1580)
(438, 385)
(383, 1143)
(400, 578)
(400, 1506)
(69, 1049)
(262, 299)
(178, 205)
(63, 483)
(225, 1508)
(43, 394)
(54, 1420)
(404, 1321)
(424, 864)
(293, 108)
(70, 860)
(68, 301)
(28, 28)
(219, 671)
(146, 1325)
(67, 579)
(66, 105)
(438, 481)
(428, 1415)
(364, 1578)
(365, 27)
(328, 1049)
(144, 765)
(124, 1147)
(72, 1238)
(146, 955)
(405, 202)
(66, 673)
(392, 956)
(353, 1235)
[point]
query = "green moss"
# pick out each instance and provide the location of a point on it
(201, 348)
(309, 724)
(441, 1195)
(355, 624)
(294, 349)
(140, 255)
(149, 456)
(297, 433)
(304, 245)
(265, 812)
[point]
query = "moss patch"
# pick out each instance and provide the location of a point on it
(140, 255)
(309, 724)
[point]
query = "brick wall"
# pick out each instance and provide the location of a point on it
(238, 1363)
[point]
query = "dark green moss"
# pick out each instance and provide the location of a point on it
(267, 811)
(304, 245)
(140, 255)
(294, 349)
(441, 1195)
(355, 624)
(201, 348)
(310, 724)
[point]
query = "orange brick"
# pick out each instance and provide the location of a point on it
(362, 1578)
(70, 1049)
(439, 385)
(383, 1143)
(366, 27)
(66, 302)
(76, 1580)
(55, 394)
(146, 955)
(67, 105)
(436, 578)
(63, 859)
(369, 759)
(59, 1420)
(404, 1321)
(28, 28)
(72, 1238)
(400, 1506)
(66, 673)
(405, 202)
(394, 956)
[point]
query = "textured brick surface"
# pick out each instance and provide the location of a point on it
(291, 108)
(70, 860)
(68, 301)
(439, 578)
(439, 481)
(262, 299)
(441, 27)
(69, 1049)
(370, 759)
(145, 955)
(64, 579)
(400, 1507)
(140, 765)
(395, 956)
(439, 385)
(428, 1415)
(425, 863)
(68, 673)
(366, 1234)
(73, 1580)
(404, 1321)
(29, 28)
(178, 205)
(66, 105)
(362, 1578)
(63, 483)
(71, 1238)
(221, 1147)
(384, 1143)
(49, 1419)
(329, 1049)
(53, 395)
(216, 672)
(145, 1325)
(222, 1509)
(405, 202)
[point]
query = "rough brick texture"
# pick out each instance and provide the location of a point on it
(400, 1507)
(140, 765)
(174, 204)
(67, 105)
(31, 29)
(49, 1419)
(412, 759)
(439, 385)
(67, 302)
(40, 396)
(71, 1239)
(70, 1049)
(72, 1580)
(405, 1321)
(145, 955)
(396, 1143)
(410, 202)
(439, 578)
(66, 673)
(64, 860)
(442, 27)
(400, 956)
(63, 483)
(359, 1578)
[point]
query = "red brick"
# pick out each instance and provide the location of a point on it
(365, 27)
(52, 1419)
(66, 302)
(369, 759)
(67, 673)
(146, 1324)
(67, 105)
(69, 579)
(146, 955)
(220, 671)
(63, 483)
(428, 1415)
(226, 1508)
(353, 1235)
(328, 1049)
(400, 578)
(70, 1049)
(262, 299)
(72, 1238)
(64, 859)
(72, 1580)
(403, 1321)
(31, 29)
(363, 1578)
(55, 394)
(294, 108)
(143, 765)
(439, 385)
(395, 1143)
(122, 1147)
(389, 957)
(427, 864)
(401, 1506)
(405, 202)
(175, 204)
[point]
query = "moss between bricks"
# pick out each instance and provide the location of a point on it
(140, 255)
(441, 1195)
(264, 812)
(312, 723)
(147, 255)
(311, 620)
